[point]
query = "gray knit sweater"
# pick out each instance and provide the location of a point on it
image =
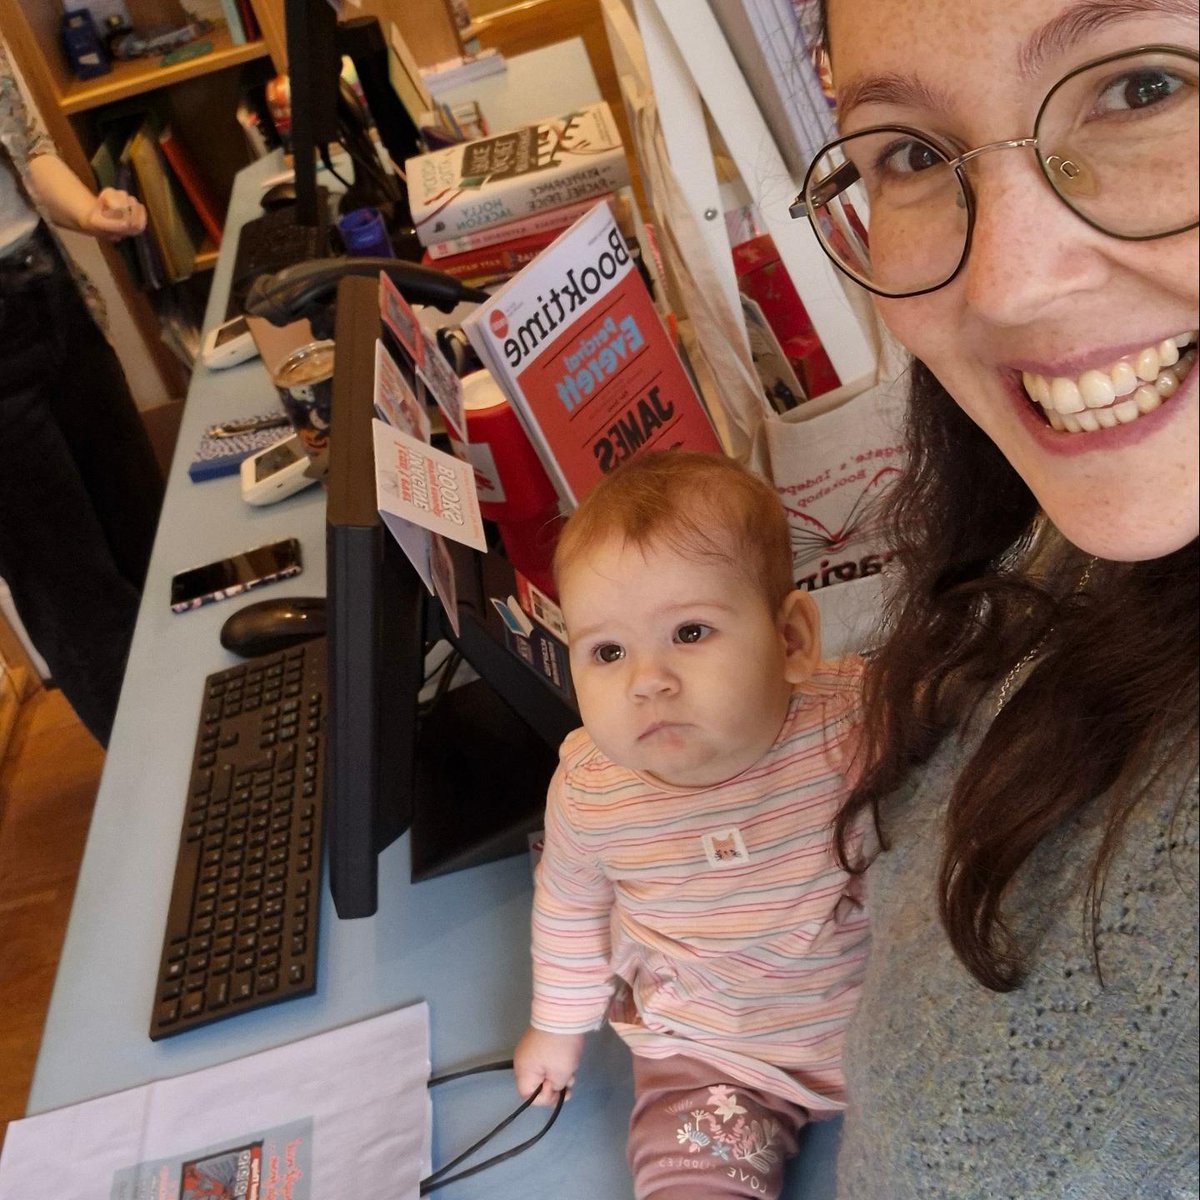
(1063, 1088)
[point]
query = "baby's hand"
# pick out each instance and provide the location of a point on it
(549, 1059)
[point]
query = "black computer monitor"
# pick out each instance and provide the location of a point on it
(314, 70)
(469, 777)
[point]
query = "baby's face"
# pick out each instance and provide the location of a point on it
(678, 665)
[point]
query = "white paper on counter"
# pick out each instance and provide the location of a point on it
(343, 1113)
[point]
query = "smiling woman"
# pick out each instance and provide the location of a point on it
(1019, 190)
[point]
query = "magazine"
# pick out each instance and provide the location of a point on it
(584, 358)
(546, 165)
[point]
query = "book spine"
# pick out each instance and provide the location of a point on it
(189, 179)
(552, 220)
(249, 20)
(233, 19)
(490, 262)
(462, 189)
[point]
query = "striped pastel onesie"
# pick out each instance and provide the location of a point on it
(711, 922)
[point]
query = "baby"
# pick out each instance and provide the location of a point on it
(688, 889)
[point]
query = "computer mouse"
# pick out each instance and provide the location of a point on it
(269, 625)
(280, 195)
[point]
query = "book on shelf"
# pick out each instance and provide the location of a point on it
(197, 191)
(145, 250)
(493, 264)
(467, 68)
(175, 242)
(583, 356)
(553, 162)
(550, 220)
(249, 20)
(233, 21)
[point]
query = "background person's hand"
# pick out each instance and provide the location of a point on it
(114, 215)
(546, 1058)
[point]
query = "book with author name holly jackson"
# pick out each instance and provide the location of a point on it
(556, 161)
(577, 345)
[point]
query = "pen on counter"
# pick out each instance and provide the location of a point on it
(249, 425)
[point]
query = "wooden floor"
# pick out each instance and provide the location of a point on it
(48, 784)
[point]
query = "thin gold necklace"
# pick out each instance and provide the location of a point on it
(1006, 684)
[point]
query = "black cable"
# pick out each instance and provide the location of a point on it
(327, 163)
(451, 1076)
(439, 1178)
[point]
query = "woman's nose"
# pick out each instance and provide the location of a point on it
(1029, 252)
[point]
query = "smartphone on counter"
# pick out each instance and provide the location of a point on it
(239, 573)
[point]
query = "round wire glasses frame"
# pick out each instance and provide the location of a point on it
(822, 186)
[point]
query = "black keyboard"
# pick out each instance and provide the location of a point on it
(269, 243)
(242, 925)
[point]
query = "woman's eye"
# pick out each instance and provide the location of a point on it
(1139, 89)
(908, 158)
(610, 652)
(691, 633)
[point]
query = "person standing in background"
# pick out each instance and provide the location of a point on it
(81, 490)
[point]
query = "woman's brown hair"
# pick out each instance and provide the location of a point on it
(1111, 697)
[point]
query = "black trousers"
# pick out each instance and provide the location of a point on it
(80, 489)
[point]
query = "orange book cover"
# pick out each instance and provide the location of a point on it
(583, 356)
(193, 186)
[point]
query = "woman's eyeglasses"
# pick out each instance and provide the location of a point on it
(1116, 140)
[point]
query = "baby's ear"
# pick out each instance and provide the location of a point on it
(799, 623)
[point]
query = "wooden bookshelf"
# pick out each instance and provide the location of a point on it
(134, 77)
(200, 93)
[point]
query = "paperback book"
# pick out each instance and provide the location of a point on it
(557, 161)
(552, 220)
(585, 360)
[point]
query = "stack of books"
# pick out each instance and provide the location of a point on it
(149, 161)
(486, 208)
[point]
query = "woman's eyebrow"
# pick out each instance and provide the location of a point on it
(1082, 19)
(907, 91)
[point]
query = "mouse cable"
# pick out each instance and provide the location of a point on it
(439, 1178)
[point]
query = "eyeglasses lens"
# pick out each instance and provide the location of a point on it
(889, 210)
(1117, 142)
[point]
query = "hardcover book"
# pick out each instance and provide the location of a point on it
(193, 184)
(585, 360)
(554, 162)
(493, 264)
(165, 214)
(550, 220)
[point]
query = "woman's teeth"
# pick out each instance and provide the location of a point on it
(1131, 387)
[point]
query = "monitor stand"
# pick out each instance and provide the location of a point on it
(488, 749)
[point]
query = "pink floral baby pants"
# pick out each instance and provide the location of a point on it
(693, 1136)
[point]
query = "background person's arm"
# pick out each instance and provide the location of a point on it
(71, 204)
